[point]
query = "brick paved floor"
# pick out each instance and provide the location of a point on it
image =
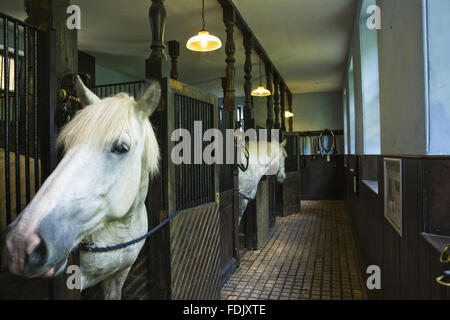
(309, 255)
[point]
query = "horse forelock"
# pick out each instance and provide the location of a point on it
(106, 121)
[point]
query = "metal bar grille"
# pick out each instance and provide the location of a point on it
(19, 140)
(194, 182)
(131, 88)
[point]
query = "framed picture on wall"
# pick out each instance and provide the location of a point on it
(393, 193)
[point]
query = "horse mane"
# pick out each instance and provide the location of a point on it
(106, 121)
(268, 144)
(283, 150)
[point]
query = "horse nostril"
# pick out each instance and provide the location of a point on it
(38, 256)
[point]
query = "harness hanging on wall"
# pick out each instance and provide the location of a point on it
(244, 148)
(321, 146)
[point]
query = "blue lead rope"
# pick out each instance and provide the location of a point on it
(129, 243)
(243, 196)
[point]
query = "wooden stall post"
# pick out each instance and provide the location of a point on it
(174, 53)
(276, 96)
(229, 252)
(250, 216)
(269, 78)
(230, 104)
(283, 106)
(61, 49)
(158, 246)
(289, 96)
(230, 71)
(156, 66)
(248, 107)
(270, 125)
(278, 198)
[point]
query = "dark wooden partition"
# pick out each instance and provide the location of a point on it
(271, 182)
(409, 263)
(229, 246)
(291, 186)
(321, 177)
(184, 259)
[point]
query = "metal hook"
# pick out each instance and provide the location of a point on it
(446, 277)
(445, 258)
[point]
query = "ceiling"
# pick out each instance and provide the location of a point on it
(307, 40)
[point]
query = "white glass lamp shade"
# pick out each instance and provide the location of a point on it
(260, 92)
(203, 42)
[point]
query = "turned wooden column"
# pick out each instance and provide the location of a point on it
(158, 246)
(290, 121)
(174, 53)
(270, 115)
(224, 86)
(282, 105)
(276, 97)
(248, 105)
(156, 65)
(228, 19)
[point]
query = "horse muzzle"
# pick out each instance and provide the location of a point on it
(36, 254)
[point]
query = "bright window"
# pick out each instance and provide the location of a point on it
(345, 108)
(3, 73)
(370, 83)
(351, 107)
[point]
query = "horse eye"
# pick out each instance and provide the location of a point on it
(119, 148)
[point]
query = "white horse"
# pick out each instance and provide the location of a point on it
(265, 158)
(97, 192)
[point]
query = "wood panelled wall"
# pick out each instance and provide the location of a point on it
(409, 264)
(320, 179)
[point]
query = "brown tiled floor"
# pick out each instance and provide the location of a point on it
(309, 255)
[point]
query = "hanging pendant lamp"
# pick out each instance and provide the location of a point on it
(203, 41)
(260, 91)
(288, 114)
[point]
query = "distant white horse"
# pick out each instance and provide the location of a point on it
(265, 158)
(96, 192)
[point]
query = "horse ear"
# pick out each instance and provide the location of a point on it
(283, 144)
(87, 97)
(150, 99)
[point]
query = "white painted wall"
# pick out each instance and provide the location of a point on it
(402, 77)
(319, 111)
(438, 51)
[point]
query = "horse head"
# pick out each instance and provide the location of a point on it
(281, 174)
(110, 152)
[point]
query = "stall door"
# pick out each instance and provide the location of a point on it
(291, 186)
